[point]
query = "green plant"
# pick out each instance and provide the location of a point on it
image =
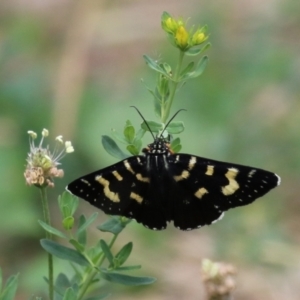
(98, 262)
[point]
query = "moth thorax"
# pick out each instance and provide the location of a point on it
(158, 147)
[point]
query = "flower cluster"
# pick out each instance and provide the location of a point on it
(42, 164)
(179, 35)
(218, 279)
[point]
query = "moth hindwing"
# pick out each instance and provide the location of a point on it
(160, 187)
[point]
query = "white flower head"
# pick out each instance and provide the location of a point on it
(42, 163)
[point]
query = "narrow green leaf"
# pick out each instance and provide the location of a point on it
(188, 68)
(154, 65)
(124, 253)
(129, 268)
(112, 148)
(79, 247)
(81, 234)
(52, 230)
(175, 127)
(198, 70)
(197, 51)
(114, 225)
(126, 279)
(10, 288)
(64, 252)
(87, 222)
(107, 252)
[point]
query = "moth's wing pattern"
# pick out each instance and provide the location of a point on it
(124, 189)
(206, 188)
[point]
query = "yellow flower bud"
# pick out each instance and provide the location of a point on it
(198, 38)
(182, 37)
(170, 25)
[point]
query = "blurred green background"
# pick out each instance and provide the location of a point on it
(74, 67)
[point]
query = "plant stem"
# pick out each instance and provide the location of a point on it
(94, 271)
(46, 213)
(167, 108)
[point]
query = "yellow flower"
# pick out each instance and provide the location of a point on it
(170, 25)
(181, 37)
(199, 37)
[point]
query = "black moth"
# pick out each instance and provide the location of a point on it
(161, 186)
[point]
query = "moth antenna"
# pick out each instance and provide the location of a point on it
(171, 120)
(144, 121)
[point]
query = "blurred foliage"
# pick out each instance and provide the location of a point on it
(74, 67)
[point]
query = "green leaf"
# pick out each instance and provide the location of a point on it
(166, 67)
(188, 68)
(87, 222)
(120, 138)
(154, 65)
(154, 126)
(114, 225)
(138, 145)
(112, 148)
(10, 288)
(128, 268)
(129, 132)
(61, 284)
(52, 230)
(107, 252)
(79, 247)
(132, 149)
(123, 254)
(81, 234)
(176, 148)
(198, 70)
(126, 279)
(68, 204)
(175, 145)
(70, 294)
(139, 135)
(175, 127)
(63, 252)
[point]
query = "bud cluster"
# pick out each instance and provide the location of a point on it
(179, 34)
(218, 279)
(42, 164)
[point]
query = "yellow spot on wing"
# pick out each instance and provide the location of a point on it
(114, 197)
(233, 184)
(184, 175)
(209, 170)
(136, 197)
(128, 166)
(141, 178)
(117, 175)
(202, 191)
(192, 162)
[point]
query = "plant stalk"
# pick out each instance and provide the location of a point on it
(46, 213)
